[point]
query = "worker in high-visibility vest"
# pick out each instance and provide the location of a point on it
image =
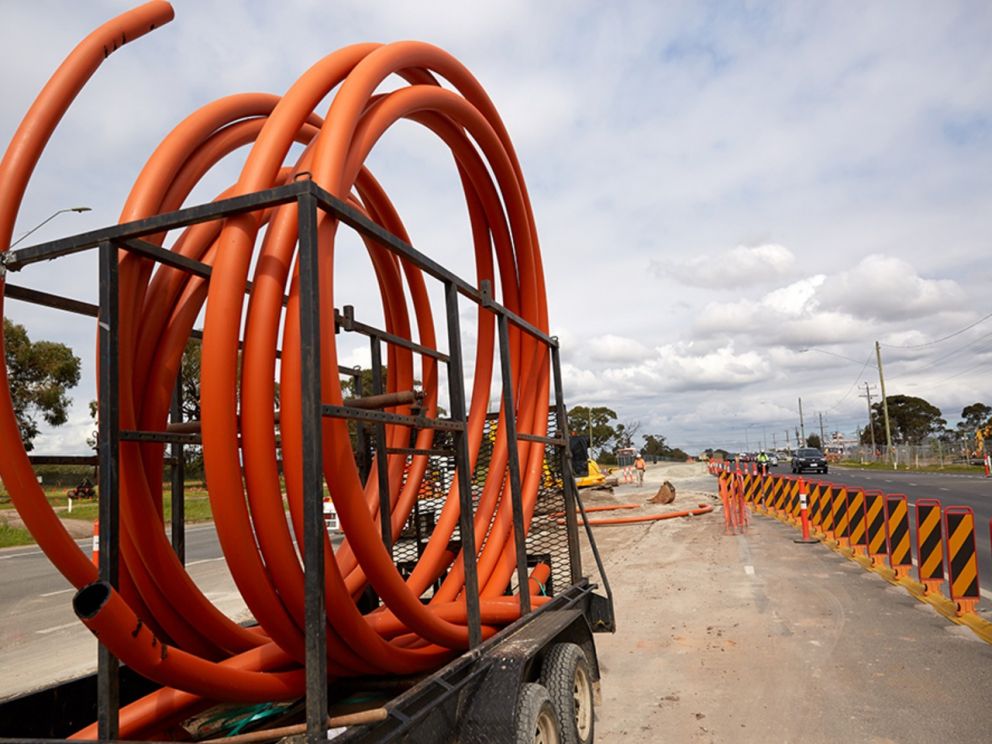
(762, 463)
(639, 466)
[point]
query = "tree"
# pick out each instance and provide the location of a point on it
(580, 418)
(974, 417)
(654, 444)
(813, 440)
(624, 434)
(911, 420)
(40, 373)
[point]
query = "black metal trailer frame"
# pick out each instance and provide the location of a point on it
(476, 689)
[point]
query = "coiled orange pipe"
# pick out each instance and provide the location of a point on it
(209, 657)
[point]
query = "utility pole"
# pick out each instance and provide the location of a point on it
(823, 437)
(802, 426)
(798, 442)
(885, 404)
(787, 439)
(774, 443)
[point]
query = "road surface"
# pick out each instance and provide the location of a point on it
(953, 489)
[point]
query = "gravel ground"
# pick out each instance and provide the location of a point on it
(757, 639)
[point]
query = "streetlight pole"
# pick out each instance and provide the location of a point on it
(802, 426)
(885, 405)
(48, 219)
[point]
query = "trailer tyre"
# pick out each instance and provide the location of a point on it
(565, 672)
(537, 722)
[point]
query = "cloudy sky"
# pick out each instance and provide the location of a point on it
(735, 200)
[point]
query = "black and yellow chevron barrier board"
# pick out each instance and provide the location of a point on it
(816, 501)
(875, 523)
(751, 485)
(781, 496)
(962, 559)
(897, 532)
(766, 490)
(839, 511)
(827, 510)
(929, 540)
(856, 518)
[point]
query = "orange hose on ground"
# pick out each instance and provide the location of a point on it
(702, 509)
(161, 623)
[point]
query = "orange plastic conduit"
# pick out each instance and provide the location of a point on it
(702, 509)
(160, 623)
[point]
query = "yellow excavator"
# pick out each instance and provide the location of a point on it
(982, 434)
(596, 477)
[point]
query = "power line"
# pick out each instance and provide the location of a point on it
(938, 340)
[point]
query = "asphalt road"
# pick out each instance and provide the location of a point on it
(952, 489)
(36, 612)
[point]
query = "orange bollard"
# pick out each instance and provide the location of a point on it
(804, 513)
(95, 557)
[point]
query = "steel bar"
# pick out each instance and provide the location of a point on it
(165, 256)
(555, 441)
(466, 526)
(423, 422)
(346, 321)
(108, 448)
(35, 297)
(64, 459)
(16, 260)
(381, 458)
(314, 532)
(487, 301)
(567, 476)
(513, 453)
(178, 477)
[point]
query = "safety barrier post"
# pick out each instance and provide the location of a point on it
(804, 513)
(962, 558)
(897, 536)
(841, 521)
(827, 511)
(856, 522)
(875, 528)
(95, 556)
(988, 465)
(816, 501)
(929, 545)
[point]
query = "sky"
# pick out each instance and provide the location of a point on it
(735, 201)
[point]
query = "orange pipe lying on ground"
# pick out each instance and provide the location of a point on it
(702, 509)
(159, 607)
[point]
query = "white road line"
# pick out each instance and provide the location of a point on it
(945, 489)
(60, 591)
(46, 631)
(910, 484)
(749, 570)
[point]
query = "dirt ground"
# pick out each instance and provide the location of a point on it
(757, 639)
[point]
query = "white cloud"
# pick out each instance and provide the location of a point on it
(751, 159)
(759, 264)
(889, 288)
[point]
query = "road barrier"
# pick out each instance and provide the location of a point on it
(873, 528)
(841, 520)
(897, 538)
(962, 558)
(856, 522)
(929, 545)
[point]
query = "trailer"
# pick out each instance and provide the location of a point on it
(535, 680)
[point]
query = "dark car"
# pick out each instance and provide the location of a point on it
(809, 459)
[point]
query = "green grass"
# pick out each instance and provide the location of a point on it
(10, 536)
(948, 468)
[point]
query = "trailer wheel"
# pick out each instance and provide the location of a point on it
(565, 672)
(537, 722)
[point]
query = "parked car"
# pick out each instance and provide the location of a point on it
(809, 459)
